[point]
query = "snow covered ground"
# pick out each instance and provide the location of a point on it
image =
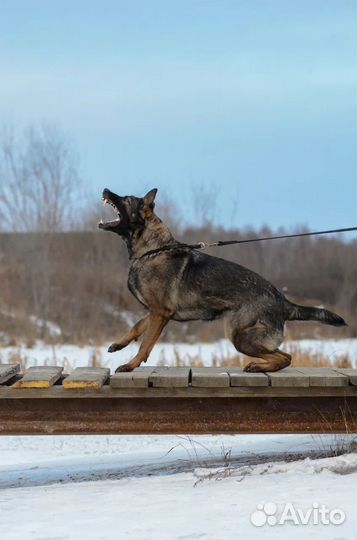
(71, 356)
(173, 487)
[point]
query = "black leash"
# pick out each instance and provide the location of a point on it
(203, 245)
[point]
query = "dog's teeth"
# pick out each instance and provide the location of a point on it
(101, 222)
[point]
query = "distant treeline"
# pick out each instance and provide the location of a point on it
(77, 282)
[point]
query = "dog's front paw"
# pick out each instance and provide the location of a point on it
(124, 367)
(115, 347)
(254, 367)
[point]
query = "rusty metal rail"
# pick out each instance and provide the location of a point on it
(177, 400)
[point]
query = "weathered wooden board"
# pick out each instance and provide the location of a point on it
(173, 378)
(160, 381)
(324, 377)
(238, 377)
(7, 371)
(288, 377)
(39, 377)
(350, 373)
(139, 378)
(210, 377)
(57, 391)
(86, 377)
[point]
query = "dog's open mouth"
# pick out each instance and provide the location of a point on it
(110, 224)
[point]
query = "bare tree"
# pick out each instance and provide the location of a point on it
(204, 200)
(38, 181)
(39, 185)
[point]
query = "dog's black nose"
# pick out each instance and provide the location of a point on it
(106, 193)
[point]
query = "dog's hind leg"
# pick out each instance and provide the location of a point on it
(134, 333)
(156, 324)
(261, 340)
(270, 362)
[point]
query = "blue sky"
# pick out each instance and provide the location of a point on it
(252, 99)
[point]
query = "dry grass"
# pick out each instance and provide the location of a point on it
(18, 356)
(300, 358)
(208, 465)
(309, 358)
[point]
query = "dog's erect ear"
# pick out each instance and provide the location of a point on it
(150, 197)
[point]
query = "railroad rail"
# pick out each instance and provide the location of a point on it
(162, 400)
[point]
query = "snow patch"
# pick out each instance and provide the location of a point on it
(52, 329)
(142, 491)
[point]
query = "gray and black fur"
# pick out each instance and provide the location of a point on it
(176, 282)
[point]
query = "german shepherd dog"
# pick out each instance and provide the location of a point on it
(174, 281)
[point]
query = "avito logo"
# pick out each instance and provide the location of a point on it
(269, 514)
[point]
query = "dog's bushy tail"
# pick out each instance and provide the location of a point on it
(305, 313)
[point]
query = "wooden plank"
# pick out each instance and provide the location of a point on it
(7, 371)
(86, 377)
(350, 373)
(324, 377)
(107, 392)
(138, 378)
(210, 377)
(173, 377)
(239, 377)
(289, 377)
(39, 377)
